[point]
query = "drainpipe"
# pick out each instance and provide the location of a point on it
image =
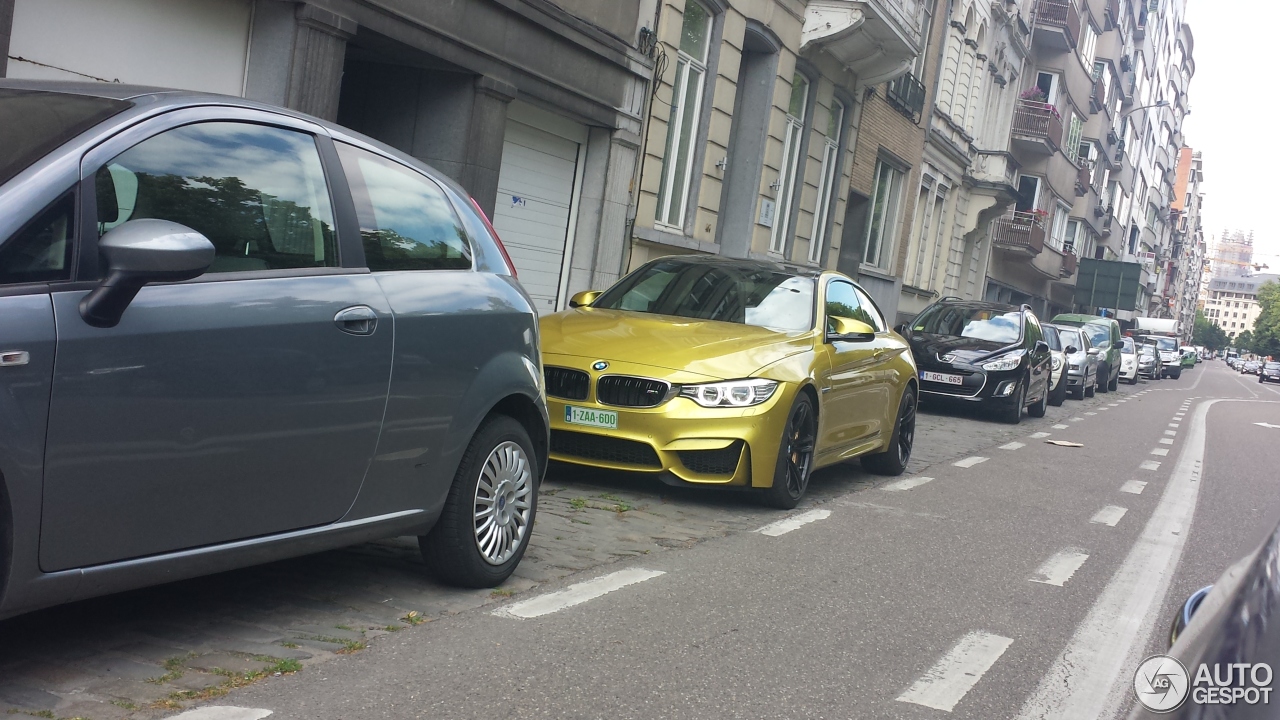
(659, 57)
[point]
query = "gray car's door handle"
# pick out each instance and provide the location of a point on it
(357, 320)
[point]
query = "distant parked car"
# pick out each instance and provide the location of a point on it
(1083, 376)
(273, 336)
(1170, 358)
(1058, 384)
(1150, 365)
(1128, 361)
(1104, 334)
(1250, 367)
(1269, 372)
(989, 353)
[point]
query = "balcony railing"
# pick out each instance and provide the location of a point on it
(1060, 15)
(907, 95)
(1019, 231)
(1038, 120)
(1084, 178)
(1069, 264)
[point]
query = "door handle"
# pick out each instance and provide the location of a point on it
(13, 358)
(357, 320)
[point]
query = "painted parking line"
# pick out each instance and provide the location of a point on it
(1060, 426)
(1039, 435)
(1091, 413)
(1076, 419)
(1012, 446)
(786, 525)
(953, 676)
(1171, 433)
(1166, 441)
(1133, 486)
(1109, 515)
(1113, 404)
(1160, 451)
(1173, 425)
(223, 712)
(1149, 465)
(906, 483)
(576, 594)
(1058, 569)
(970, 461)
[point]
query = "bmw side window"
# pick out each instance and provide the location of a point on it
(257, 193)
(873, 312)
(406, 221)
(41, 251)
(842, 301)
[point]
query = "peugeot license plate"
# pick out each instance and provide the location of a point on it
(593, 418)
(947, 378)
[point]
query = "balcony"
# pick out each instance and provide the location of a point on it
(1113, 14)
(1069, 264)
(875, 39)
(906, 94)
(1037, 127)
(1019, 233)
(1057, 24)
(1084, 178)
(1098, 97)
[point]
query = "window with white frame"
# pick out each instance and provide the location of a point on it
(1071, 237)
(1088, 43)
(827, 181)
(884, 215)
(1074, 129)
(788, 174)
(928, 233)
(686, 109)
(1058, 230)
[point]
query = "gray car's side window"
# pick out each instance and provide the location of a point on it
(41, 251)
(406, 221)
(258, 193)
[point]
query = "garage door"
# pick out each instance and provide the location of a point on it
(533, 214)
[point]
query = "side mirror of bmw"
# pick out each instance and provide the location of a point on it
(584, 298)
(849, 330)
(139, 252)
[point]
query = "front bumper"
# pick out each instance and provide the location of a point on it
(977, 385)
(1128, 370)
(678, 439)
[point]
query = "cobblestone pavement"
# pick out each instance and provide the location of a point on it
(147, 653)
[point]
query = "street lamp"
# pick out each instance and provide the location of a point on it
(1127, 113)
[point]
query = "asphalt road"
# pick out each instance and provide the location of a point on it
(1024, 581)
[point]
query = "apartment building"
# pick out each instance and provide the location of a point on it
(1233, 301)
(1188, 251)
(749, 148)
(535, 107)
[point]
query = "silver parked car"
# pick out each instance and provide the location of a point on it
(1082, 362)
(231, 333)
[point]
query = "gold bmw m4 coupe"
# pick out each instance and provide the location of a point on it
(735, 373)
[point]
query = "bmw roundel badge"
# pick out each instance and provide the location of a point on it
(599, 365)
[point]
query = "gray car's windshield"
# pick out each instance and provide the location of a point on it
(1071, 338)
(979, 323)
(748, 295)
(33, 123)
(1272, 366)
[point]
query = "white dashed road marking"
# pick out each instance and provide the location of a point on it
(1076, 419)
(786, 525)
(1012, 446)
(907, 483)
(1037, 436)
(223, 712)
(1109, 515)
(1160, 451)
(1060, 427)
(1091, 413)
(970, 461)
(1166, 441)
(1133, 486)
(1173, 425)
(1058, 569)
(957, 672)
(1149, 465)
(1171, 433)
(576, 594)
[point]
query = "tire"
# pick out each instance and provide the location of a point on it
(894, 459)
(1013, 414)
(500, 451)
(1039, 409)
(1057, 397)
(1091, 389)
(1176, 373)
(795, 456)
(1114, 384)
(1104, 372)
(1134, 381)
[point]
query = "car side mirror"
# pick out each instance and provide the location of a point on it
(1072, 350)
(1095, 351)
(901, 329)
(848, 330)
(584, 298)
(140, 252)
(1042, 346)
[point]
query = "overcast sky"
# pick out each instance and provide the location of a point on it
(1233, 119)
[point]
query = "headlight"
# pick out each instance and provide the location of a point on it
(1075, 366)
(1008, 361)
(1057, 363)
(731, 393)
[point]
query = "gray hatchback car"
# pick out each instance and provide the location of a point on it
(230, 333)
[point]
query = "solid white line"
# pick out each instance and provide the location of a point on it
(1133, 486)
(1094, 672)
(222, 712)
(1109, 515)
(1012, 446)
(1037, 436)
(970, 461)
(1166, 441)
(1160, 451)
(907, 483)
(1058, 569)
(947, 682)
(1149, 465)
(786, 525)
(1060, 427)
(576, 594)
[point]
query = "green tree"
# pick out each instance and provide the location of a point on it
(1266, 329)
(1244, 341)
(1208, 335)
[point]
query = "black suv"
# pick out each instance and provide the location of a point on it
(983, 352)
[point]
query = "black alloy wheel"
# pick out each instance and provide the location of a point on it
(893, 460)
(1013, 414)
(1039, 409)
(795, 456)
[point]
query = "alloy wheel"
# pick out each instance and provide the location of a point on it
(801, 434)
(907, 428)
(502, 502)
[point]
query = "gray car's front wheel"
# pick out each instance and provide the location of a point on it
(488, 517)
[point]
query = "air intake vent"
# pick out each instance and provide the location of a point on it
(604, 448)
(566, 383)
(625, 391)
